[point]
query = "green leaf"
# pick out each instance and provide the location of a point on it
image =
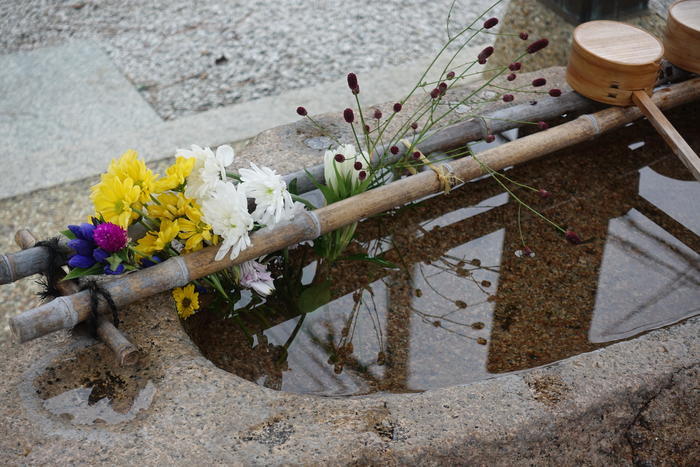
(292, 187)
(114, 261)
(68, 234)
(373, 259)
(80, 272)
(314, 296)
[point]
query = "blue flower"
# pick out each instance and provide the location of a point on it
(109, 271)
(80, 261)
(83, 231)
(82, 247)
(100, 255)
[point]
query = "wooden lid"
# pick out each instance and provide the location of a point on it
(617, 43)
(687, 13)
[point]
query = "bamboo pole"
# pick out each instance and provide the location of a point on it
(126, 353)
(177, 271)
(32, 261)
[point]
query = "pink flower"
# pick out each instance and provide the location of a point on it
(572, 237)
(110, 237)
(255, 276)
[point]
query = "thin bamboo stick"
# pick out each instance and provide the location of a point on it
(18, 265)
(67, 311)
(126, 353)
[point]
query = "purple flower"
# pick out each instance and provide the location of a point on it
(572, 237)
(491, 22)
(537, 46)
(148, 262)
(255, 275)
(349, 115)
(100, 255)
(353, 84)
(82, 247)
(110, 237)
(83, 231)
(110, 272)
(80, 261)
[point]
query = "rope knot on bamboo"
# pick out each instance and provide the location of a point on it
(444, 172)
(53, 271)
(97, 291)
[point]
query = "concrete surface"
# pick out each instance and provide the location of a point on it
(630, 403)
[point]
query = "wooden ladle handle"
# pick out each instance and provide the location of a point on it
(668, 132)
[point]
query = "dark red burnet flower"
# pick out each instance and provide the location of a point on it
(398, 107)
(484, 54)
(349, 115)
(353, 84)
(537, 46)
(554, 92)
(394, 150)
(366, 128)
(511, 77)
(339, 158)
(416, 155)
(542, 125)
(377, 114)
(451, 75)
(490, 138)
(539, 82)
(527, 251)
(572, 237)
(523, 35)
(362, 175)
(357, 165)
(515, 66)
(414, 126)
(508, 97)
(542, 193)
(491, 22)
(302, 111)
(435, 93)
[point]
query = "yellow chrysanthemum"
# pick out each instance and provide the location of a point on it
(115, 200)
(158, 241)
(129, 166)
(195, 231)
(175, 174)
(170, 206)
(186, 300)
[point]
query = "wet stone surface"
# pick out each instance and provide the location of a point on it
(464, 303)
(86, 387)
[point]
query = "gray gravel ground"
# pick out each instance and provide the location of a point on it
(186, 57)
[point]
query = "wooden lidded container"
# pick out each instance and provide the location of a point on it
(609, 60)
(682, 35)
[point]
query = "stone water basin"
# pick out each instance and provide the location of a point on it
(465, 302)
(500, 358)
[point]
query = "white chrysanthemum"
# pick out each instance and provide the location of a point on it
(273, 203)
(255, 276)
(338, 174)
(209, 169)
(227, 213)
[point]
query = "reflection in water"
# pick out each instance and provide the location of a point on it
(461, 305)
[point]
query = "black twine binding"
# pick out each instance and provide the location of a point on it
(52, 272)
(97, 291)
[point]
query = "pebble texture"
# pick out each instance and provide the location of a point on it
(186, 58)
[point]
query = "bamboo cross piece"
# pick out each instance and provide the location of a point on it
(177, 271)
(126, 353)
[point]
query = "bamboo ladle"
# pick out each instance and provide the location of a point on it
(618, 64)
